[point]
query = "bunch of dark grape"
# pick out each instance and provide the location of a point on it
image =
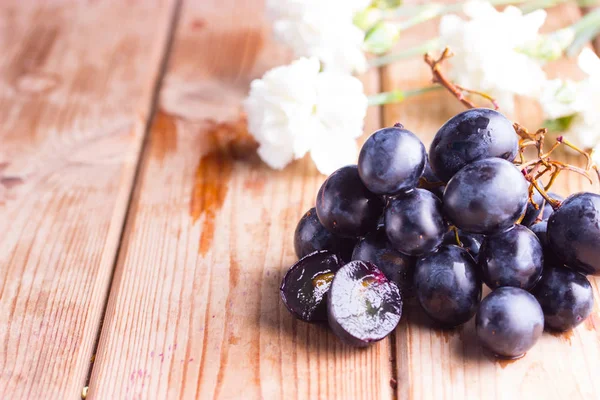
(403, 223)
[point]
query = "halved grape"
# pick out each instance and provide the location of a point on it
(345, 206)
(486, 196)
(305, 285)
(377, 249)
(363, 305)
(472, 135)
(391, 160)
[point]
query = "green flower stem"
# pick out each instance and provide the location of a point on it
(398, 96)
(585, 30)
(406, 53)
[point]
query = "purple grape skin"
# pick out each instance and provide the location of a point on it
(566, 297)
(509, 322)
(511, 258)
(470, 241)
(540, 229)
(414, 222)
(311, 236)
(547, 210)
(391, 160)
(574, 232)
(472, 135)
(486, 196)
(376, 248)
(344, 205)
(363, 306)
(299, 295)
(448, 286)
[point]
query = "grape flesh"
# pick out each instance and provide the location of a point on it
(566, 297)
(305, 285)
(511, 258)
(345, 206)
(391, 160)
(486, 196)
(414, 223)
(448, 286)
(509, 322)
(363, 305)
(472, 135)
(574, 232)
(397, 267)
(311, 236)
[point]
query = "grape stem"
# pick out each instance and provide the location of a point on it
(456, 90)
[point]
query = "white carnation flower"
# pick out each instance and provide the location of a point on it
(585, 127)
(321, 29)
(487, 56)
(560, 98)
(296, 108)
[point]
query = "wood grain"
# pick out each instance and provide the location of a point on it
(194, 310)
(76, 82)
(433, 364)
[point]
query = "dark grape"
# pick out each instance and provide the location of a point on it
(540, 230)
(574, 232)
(311, 236)
(397, 267)
(429, 181)
(566, 298)
(509, 322)
(486, 196)
(391, 160)
(345, 206)
(470, 136)
(511, 258)
(414, 222)
(447, 285)
(304, 287)
(363, 305)
(470, 241)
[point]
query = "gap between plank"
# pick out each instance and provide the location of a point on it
(154, 100)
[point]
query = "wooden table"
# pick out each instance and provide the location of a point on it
(143, 242)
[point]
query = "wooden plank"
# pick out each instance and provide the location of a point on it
(194, 310)
(76, 83)
(434, 364)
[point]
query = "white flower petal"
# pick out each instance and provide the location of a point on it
(333, 152)
(589, 62)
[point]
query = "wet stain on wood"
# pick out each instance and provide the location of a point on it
(225, 143)
(566, 336)
(164, 136)
(444, 333)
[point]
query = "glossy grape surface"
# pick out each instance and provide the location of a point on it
(447, 285)
(511, 258)
(311, 236)
(391, 160)
(486, 196)
(363, 305)
(547, 211)
(566, 297)
(345, 206)
(509, 322)
(470, 136)
(531, 213)
(414, 222)
(305, 285)
(397, 267)
(574, 232)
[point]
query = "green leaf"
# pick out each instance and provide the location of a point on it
(558, 125)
